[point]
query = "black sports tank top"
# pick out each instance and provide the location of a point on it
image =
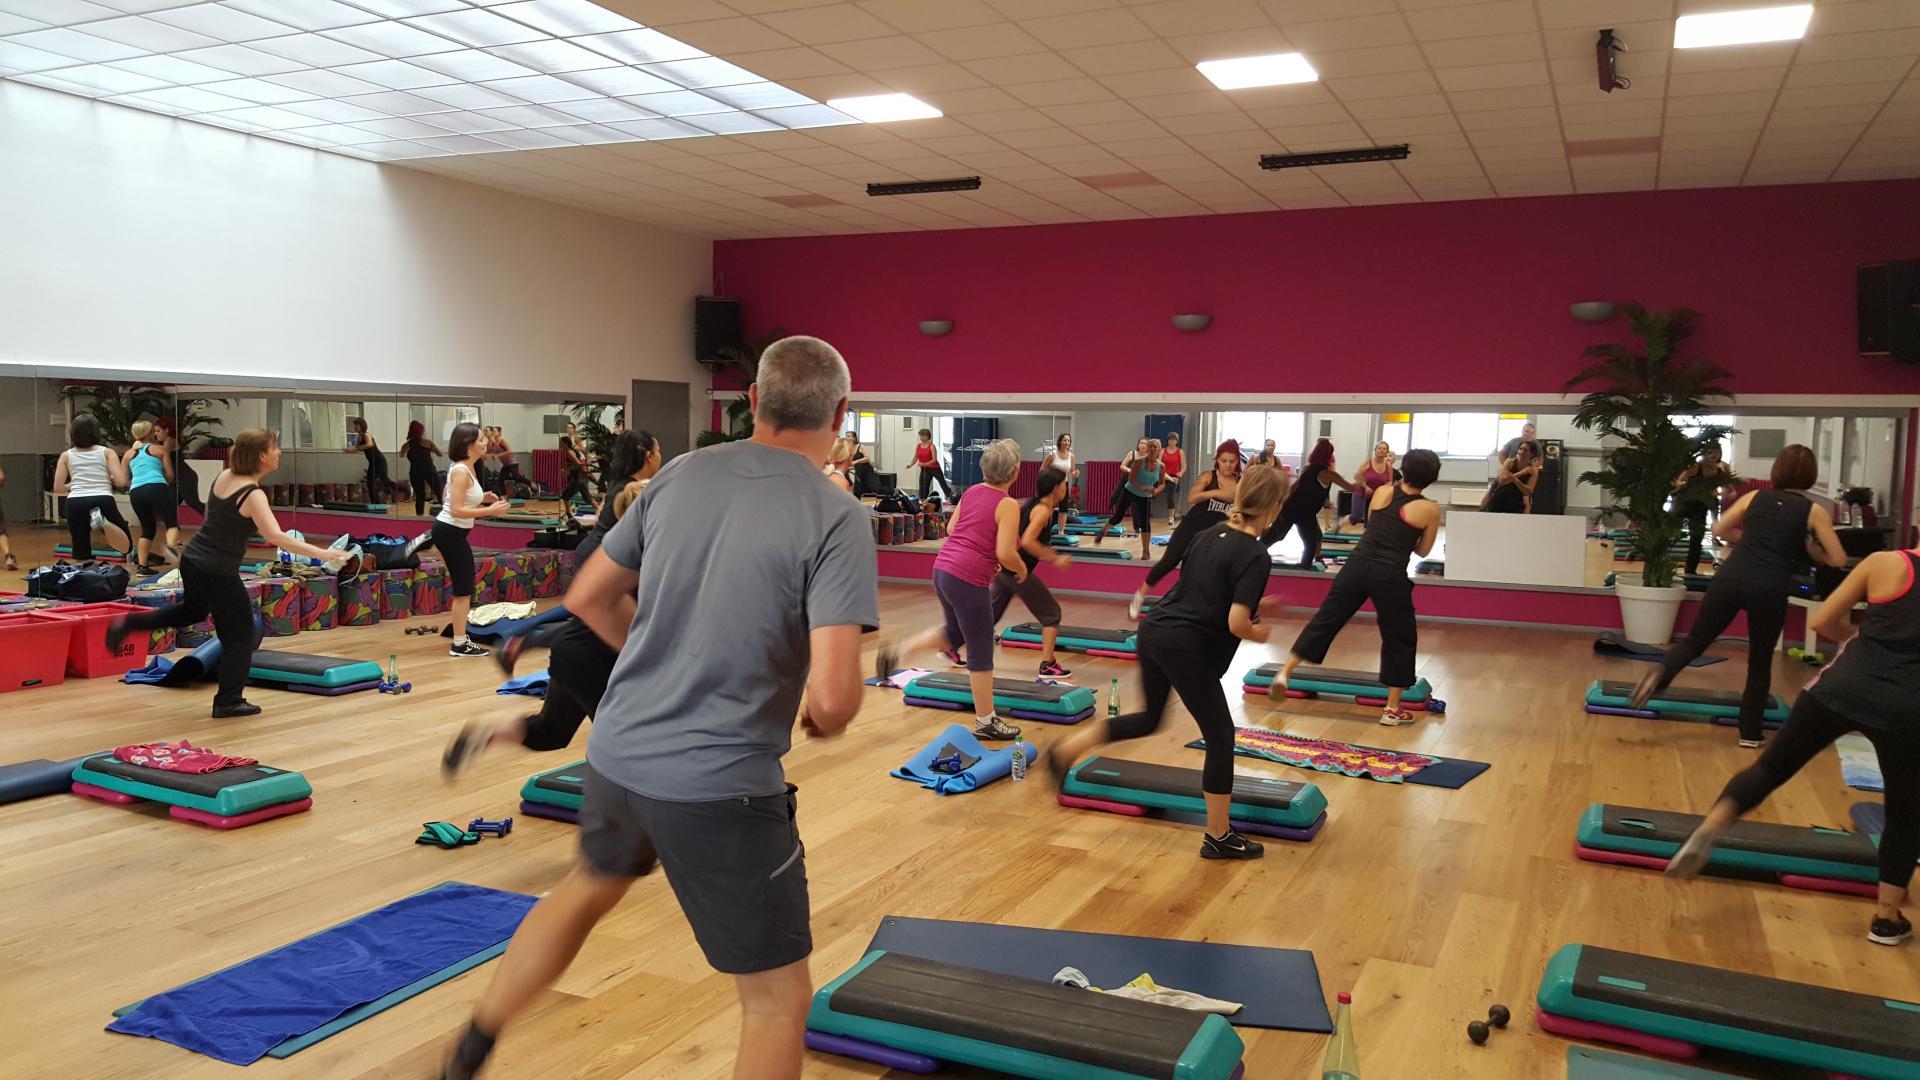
(1507, 499)
(419, 458)
(1310, 493)
(609, 517)
(1207, 514)
(1876, 677)
(221, 542)
(1389, 540)
(1026, 517)
(1773, 540)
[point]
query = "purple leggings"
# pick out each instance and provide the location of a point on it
(969, 613)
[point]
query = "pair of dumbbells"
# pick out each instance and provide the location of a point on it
(1478, 1030)
(490, 828)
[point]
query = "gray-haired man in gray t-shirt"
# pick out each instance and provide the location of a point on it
(740, 580)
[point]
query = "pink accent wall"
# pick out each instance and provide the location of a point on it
(1463, 297)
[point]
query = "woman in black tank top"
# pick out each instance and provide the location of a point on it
(210, 582)
(1770, 529)
(1401, 522)
(1304, 503)
(364, 443)
(578, 662)
(1870, 687)
(1036, 523)
(1207, 506)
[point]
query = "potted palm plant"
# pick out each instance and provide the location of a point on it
(1637, 400)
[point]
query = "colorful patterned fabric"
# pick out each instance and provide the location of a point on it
(396, 594)
(1327, 755)
(279, 607)
(430, 588)
(360, 600)
(486, 579)
(545, 572)
(516, 576)
(319, 603)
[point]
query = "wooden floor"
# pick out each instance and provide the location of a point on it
(1427, 904)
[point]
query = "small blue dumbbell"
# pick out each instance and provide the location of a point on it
(491, 828)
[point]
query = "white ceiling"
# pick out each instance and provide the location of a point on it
(1078, 110)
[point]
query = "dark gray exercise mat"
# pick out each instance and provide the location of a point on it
(1817, 1015)
(297, 663)
(1765, 838)
(1279, 987)
(1343, 676)
(1174, 780)
(947, 680)
(33, 779)
(1681, 694)
(570, 780)
(1083, 633)
(204, 784)
(1135, 1038)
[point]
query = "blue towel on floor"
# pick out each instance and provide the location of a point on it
(239, 1014)
(534, 685)
(991, 764)
(1859, 764)
(199, 665)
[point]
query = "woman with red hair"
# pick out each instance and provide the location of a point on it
(421, 475)
(1208, 505)
(1302, 508)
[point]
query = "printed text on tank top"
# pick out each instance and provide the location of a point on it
(1214, 504)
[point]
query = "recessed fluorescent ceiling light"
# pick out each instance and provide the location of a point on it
(1742, 27)
(302, 60)
(1276, 69)
(881, 108)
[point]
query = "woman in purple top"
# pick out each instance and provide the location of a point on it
(983, 539)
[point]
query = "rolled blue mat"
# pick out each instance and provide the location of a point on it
(33, 779)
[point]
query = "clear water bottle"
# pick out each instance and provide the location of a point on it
(1113, 700)
(1343, 1057)
(1019, 759)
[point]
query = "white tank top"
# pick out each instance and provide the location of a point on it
(470, 497)
(87, 473)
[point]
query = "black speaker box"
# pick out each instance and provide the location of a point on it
(716, 325)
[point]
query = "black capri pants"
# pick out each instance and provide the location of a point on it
(155, 508)
(1811, 728)
(423, 482)
(1141, 507)
(456, 549)
(1307, 520)
(1032, 592)
(1766, 608)
(219, 592)
(1392, 594)
(1172, 661)
(578, 667)
(80, 522)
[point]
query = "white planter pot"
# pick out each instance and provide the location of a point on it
(1647, 615)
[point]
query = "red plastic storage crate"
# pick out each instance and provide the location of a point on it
(87, 655)
(33, 650)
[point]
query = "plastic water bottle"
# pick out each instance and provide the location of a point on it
(1113, 700)
(1343, 1057)
(1019, 759)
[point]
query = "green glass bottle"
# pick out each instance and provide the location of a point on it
(1113, 700)
(1343, 1057)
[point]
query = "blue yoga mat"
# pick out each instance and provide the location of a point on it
(1869, 818)
(199, 665)
(534, 685)
(1279, 987)
(240, 1014)
(1613, 643)
(988, 765)
(506, 628)
(33, 779)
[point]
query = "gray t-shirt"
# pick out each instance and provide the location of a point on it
(742, 549)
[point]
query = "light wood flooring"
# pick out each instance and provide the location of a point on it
(1427, 904)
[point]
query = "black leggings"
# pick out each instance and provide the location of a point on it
(80, 523)
(1392, 594)
(154, 507)
(931, 475)
(1195, 523)
(215, 591)
(456, 550)
(576, 488)
(422, 481)
(377, 479)
(1307, 520)
(578, 667)
(1696, 537)
(1766, 608)
(1172, 661)
(1141, 506)
(1811, 728)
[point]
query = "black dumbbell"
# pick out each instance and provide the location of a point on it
(492, 828)
(1477, 1031)
(1499, 1015)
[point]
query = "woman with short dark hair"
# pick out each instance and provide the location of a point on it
(86, 475)
(927, 457)
(1770, 530)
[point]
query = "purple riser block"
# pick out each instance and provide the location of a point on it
(1649, 714)
(323, 691)
(1283, 832)
(1609, 710)
(550, 812)
(1017, 714)
(862, 1050)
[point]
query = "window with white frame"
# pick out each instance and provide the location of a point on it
(1451, 434)
(1288, 430)
(867, 428)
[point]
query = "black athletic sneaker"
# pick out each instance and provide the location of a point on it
(1230, 846)
(1643, 692)
(995, 728)
(466, 648)
(1888, 932)
(465, 748)
(1052, 670)
(228, 712)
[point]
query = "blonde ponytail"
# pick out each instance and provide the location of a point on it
(1261, 489)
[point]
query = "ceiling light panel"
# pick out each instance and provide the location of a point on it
(1746, 27)
(1274, 69)
(368, 77)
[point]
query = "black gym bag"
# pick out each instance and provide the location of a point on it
(87, 583)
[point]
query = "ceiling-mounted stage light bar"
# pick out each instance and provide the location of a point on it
(1336, 157)
(925, 187)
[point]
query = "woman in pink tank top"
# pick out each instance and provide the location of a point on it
(983, 539)
(1375, 473)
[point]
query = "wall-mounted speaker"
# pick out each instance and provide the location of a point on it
(716, 325)
(1766, 442)
(1326, 429)
(1889, 310)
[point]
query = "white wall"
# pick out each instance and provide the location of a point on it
(132, 241)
